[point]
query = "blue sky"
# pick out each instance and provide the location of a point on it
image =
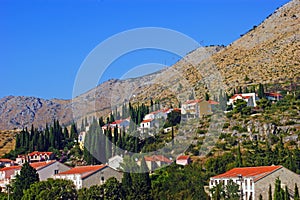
(44, 42)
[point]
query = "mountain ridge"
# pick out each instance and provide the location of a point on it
(268, 54)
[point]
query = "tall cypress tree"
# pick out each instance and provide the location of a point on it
(270, 192)
(296, 193)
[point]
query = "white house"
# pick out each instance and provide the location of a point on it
(273, 96)
(87, 176)
(250, 98)
(35, 156)
(254, 181)
(6, 175)
(148, 123)
(183, 160)
(46, 169)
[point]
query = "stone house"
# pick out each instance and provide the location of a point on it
(254, 181)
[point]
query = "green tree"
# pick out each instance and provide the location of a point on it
(286, 193)
(261, 91)
(260, 197)
(28, 175)
(113, 189)
(270, 192)
(51, 189)
(95, 192)
(239, 161)
(296, 193)
(232, 191)
(278, 191)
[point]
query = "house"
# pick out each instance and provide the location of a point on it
(250, 98)
(148, 123)
(115, 162)
(4, 162)
(6, 175)
(183, 160)
(156, 161)
(254, 181)
(87, 176)
(46, 169)
(159, 114)
(35, 156)
(273, 96)
(81, 138)
(197, 108)
(122, 124)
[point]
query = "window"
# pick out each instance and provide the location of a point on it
(251, 184)
(56, 171)
(246, 184)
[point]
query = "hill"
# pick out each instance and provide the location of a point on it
(268, 54)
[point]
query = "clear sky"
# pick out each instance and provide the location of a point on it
(44, 42)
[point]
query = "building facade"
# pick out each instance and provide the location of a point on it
(254, 181)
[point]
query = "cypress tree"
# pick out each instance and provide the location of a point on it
(239, 162)
(296, 193)
(270, 192)
(260, 197)
(286, 194)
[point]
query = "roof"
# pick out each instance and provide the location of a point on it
(41, 165)
(40, 153)
(10, 168)
(255, 172)
(212, 102)
(273, 94)
(84, 171)
(183, 157)
(156, 158)
(5, 160)
(240, 95)
(192, 101)
(147, 120)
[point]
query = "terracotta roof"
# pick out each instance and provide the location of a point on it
(147, 120)
(240, 95)
(10, 168)
(273, 94)
(41, 165)
(182, 157)
(118, 121)
(84, 171)
(156, 158)
(5, 160)
(255, 172)
(212, 102)
(193, 101)
(40, 153)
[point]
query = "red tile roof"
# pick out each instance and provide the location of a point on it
(255, 172)
(147, 120)
(10, 168)
(182, 157)
(156, 158)
(41, 165)
(40, 153)
(193, 101)
(5, 160)
(84, 171)
(273, 94)
(240, 95)
(213, 102)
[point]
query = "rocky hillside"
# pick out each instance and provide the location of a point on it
(269, 53)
